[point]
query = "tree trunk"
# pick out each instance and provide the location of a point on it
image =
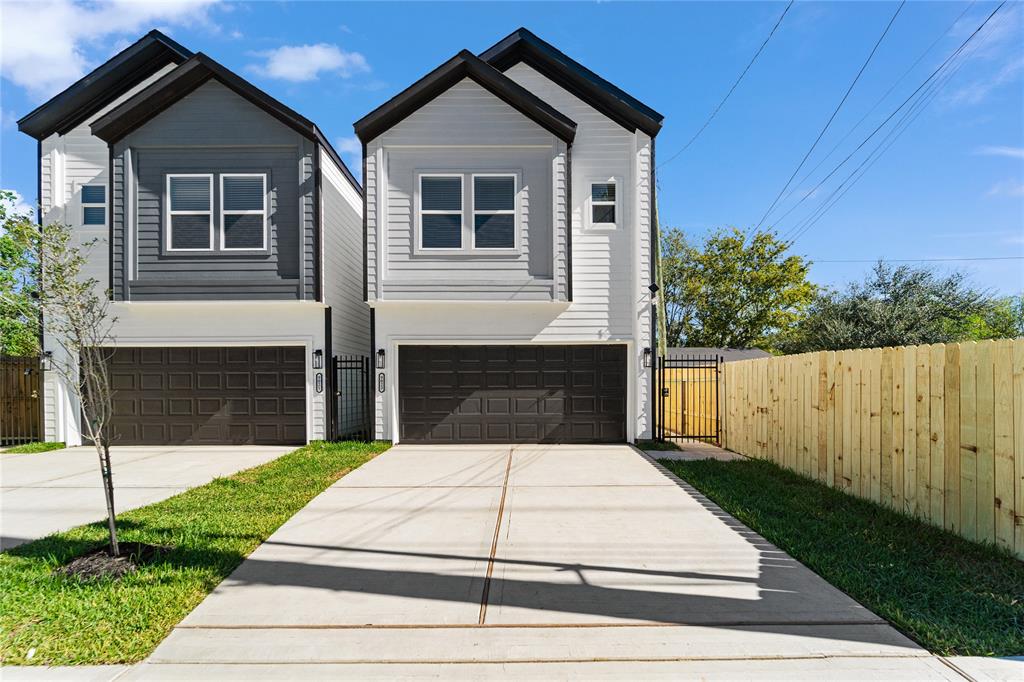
(108, 490)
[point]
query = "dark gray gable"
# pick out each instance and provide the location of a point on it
(618, 105)
(103, 85)
(464, 65)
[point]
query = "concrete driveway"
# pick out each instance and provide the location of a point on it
(539, 562)
(51, 491)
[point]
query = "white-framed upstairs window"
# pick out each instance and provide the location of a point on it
(94, 205)
(189, 212)
(243, 211)
(494, 212)
(603, 211)
(440, 212)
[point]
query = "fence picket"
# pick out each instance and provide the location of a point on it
(986, 442)
(1003, 444)
(951, 439)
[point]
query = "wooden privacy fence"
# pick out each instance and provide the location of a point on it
(936, 431)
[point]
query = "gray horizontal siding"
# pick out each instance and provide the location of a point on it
(212, 130)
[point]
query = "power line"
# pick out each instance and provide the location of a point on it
(874, 106)
(834, 113)
(815, 261)
(729, 94)
(897, 110)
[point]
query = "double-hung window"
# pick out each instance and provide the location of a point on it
(602, 204)
(243, 211)
(441, 211)
(94, 205)
(494, 211)
(190, 212)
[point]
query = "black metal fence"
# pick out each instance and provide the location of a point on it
(353, 411)
(21, 400)
(687, 398)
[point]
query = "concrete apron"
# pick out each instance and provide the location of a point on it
(527, 556)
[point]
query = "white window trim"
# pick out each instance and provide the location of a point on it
(85, 205)
(224, 212)
(208, 213)
(420, 212)
(514, 212)
(591, 203)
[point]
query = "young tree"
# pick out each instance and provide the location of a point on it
(731, 290)
(76, 313)
(19, 281)
(901, 306)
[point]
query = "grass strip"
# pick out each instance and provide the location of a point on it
(47, 619)
(32, 448)
(953, 596)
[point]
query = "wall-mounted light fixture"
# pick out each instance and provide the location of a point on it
(653, 288)
(46, 361)
(380, 358)
(648, 355)
(318, 358)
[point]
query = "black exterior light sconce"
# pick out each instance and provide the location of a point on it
(648, 355)
(380, 358)
(653, 288)
(318, 358)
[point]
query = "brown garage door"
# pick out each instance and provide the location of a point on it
(209, 396)
(512, 394)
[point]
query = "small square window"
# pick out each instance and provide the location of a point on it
(602, 203)
(94, 204)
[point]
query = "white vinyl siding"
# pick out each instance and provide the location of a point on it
(189, 212)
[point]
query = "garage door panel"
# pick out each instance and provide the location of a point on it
(209, 395)
(527, 393)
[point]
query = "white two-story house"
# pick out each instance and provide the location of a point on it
(509, 207)
(230, 242)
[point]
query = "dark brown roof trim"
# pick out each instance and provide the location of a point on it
(613, 102)
(103, 85)
(158, 96)
(464, 65)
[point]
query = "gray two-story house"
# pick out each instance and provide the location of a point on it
(230, 240)
(509, 251)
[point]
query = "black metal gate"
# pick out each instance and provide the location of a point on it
(21, 400)
(353, 410)
(687, 403)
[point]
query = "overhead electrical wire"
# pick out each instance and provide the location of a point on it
(914, 260)
(931, 77)
(919, 104)
(835, 113)
(731, 90)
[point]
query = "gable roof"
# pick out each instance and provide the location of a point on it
(523, 46)
(197, 70)
(464, 65)
(103, 85)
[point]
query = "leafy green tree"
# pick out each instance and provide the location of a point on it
(901, 306)
(731, 289)
(19, 279)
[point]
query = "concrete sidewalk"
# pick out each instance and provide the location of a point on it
(534, 562)
(52, 491)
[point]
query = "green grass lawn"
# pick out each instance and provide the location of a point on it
(952, 596)
(65, 621)
(31, 448)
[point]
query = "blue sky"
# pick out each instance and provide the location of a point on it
(950, 186)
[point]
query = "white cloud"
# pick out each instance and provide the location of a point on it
(1000, 150)
(1007, 188)
(978, 90)
(46, 44)
(299, 63)
(351, 150)
(996, 44)
(19, 205)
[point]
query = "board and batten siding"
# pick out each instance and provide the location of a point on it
(466, 129)
(342, 209)
(213, 130)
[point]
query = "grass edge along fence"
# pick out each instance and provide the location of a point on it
(936, 431)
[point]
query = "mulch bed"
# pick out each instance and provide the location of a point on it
(99, 563)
